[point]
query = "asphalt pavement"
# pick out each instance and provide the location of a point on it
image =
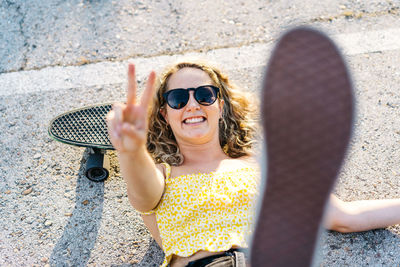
(60, 55)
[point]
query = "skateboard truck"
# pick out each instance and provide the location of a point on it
(97, 165)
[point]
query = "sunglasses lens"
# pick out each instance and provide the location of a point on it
(205, 95)
(178, 98)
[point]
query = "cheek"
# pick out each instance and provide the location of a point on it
(172, 116)
(214, 115)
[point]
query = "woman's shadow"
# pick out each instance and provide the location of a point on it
(80, 233)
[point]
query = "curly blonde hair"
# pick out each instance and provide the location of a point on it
(236, 128)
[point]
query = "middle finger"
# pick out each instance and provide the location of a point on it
(131, 93)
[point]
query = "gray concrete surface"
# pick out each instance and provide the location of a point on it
(58, 55)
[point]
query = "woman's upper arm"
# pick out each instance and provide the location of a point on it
(161, 176)
(145, 203)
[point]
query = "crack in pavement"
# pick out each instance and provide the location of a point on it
(346, 14)
(21, 30)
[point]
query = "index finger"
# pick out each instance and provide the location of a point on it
(149, 91)
(131, 92)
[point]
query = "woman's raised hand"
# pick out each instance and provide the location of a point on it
(127, 123)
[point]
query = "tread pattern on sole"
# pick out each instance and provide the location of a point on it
(307, 116)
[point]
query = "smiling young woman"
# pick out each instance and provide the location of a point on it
(186, 154)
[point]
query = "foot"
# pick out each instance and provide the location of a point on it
(307, 108)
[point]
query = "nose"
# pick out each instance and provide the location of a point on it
(192, 103)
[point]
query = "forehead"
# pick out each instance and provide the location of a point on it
(188, 77)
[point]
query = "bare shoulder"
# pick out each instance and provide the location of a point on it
(250, 160)
(242, 162)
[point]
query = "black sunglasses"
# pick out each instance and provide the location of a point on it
(205, 95)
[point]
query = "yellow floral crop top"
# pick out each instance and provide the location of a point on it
(206, 211)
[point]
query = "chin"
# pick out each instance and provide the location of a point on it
(198, 137)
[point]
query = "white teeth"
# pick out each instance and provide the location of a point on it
(194, 120)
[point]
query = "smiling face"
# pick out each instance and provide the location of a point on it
(194, 123)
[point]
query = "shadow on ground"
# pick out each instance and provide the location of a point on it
(80, 233)
(378, 247)
(154, 257)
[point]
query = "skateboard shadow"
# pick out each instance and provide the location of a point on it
(80, 233)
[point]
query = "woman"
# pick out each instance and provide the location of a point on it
(189, 169)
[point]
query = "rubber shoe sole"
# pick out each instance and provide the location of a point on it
(307, 111)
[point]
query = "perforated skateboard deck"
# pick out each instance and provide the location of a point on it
(86, 127)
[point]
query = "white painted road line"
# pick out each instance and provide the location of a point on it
(58, 78)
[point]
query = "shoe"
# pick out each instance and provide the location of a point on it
(307, 113)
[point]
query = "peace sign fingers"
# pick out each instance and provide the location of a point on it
(132, 85)
(149, 91)
(135, 112)
(127, 123)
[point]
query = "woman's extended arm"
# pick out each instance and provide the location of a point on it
(127, 126)
(144, 182)
(361, 215)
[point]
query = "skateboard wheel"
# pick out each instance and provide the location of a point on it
(97, 167)
(97, 174)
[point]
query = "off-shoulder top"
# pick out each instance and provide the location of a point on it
(206, 211)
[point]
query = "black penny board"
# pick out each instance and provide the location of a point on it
(86, 127)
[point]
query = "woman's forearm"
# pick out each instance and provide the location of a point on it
(145, 183)
(373, 214)
(361, 215)
(127, 129)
